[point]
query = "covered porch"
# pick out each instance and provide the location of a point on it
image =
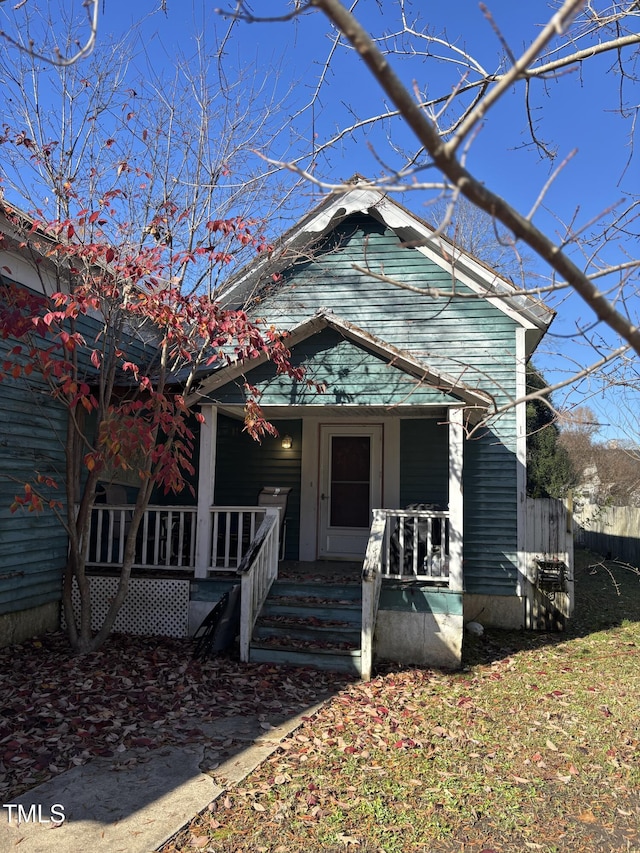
(407, 590)
(349, 470)
(372, 483)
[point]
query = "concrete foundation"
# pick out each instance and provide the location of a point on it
(424, 639)
(497, 611)
(419, 624)
(20, 626)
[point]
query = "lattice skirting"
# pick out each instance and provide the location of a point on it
(153, 606)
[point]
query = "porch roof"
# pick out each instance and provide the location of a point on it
(394, 377)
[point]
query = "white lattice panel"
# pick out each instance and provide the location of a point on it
(153, 606)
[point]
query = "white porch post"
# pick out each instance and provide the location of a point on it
(206, 483)
(456, 439)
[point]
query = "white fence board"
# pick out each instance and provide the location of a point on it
(612, 531)
(548, 543)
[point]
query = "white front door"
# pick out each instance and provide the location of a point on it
(350, 487)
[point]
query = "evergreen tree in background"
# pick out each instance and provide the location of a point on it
(549, 470)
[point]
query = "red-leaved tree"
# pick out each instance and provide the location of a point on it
(144, 194)
(118, 346)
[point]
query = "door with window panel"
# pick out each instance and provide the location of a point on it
(350, 487)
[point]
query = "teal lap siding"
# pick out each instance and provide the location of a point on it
(424, 462)
(244, 467)
(490, 517)
(33, 545)
(349, 374)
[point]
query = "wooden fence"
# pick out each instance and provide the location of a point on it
(549, 563)
(549, 531)
(612, 531)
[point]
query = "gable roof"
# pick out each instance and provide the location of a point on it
(298, 242)
(453, 391)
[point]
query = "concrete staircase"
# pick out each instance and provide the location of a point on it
(310, 623)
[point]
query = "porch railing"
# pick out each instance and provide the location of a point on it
(166, 537)
(416, 545)
(233, 529)
(258, 570)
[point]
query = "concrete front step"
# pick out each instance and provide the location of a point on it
(334, 661)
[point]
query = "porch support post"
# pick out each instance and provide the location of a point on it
(206, 484)
(456, 439)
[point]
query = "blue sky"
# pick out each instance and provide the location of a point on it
(574, 111)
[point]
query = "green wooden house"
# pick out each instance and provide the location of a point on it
(418, 347)
(391, 508)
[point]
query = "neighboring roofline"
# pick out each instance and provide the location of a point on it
(10, 211)
(27, 235)
(529, 312)
(13, 240)
(7, 208)
(396, 358)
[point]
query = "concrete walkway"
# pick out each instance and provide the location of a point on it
(136, 803)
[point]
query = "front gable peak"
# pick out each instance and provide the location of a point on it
(312, 236)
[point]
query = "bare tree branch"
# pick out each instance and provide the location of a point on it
(443, 156)
(56, 57)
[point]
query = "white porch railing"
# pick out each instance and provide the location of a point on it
(258, 570)
(416, 545)
(233, 529)
(371, 585)
(166, 538)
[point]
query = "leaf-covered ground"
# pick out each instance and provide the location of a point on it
(535, 745)
(58, 710)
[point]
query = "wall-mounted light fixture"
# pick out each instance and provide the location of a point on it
(287, 442)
